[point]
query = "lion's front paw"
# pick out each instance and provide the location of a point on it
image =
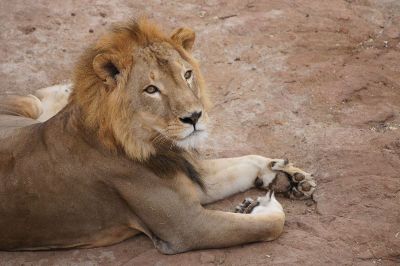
(246, 206)
(266, 204)
(287, 179)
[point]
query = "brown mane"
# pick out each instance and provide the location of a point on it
(101, 107)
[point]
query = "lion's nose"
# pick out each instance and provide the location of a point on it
(191, 119)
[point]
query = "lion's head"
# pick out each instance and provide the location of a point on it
(140, 88)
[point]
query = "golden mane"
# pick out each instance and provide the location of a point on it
(103, 108)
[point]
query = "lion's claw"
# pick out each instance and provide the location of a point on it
(266, 204)
(246, 206)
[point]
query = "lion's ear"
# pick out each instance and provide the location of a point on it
(184, 37)
(106, 69)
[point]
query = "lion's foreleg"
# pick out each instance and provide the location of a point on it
(172, 216)
(216, 229)
(228, 176)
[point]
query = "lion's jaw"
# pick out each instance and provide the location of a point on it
(193, 137)
(194, 140)
(145, 134)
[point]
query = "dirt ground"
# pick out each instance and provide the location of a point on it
(314, 81)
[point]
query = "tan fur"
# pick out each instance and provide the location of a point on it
(90, 92)
(120, 159)
(27, 106)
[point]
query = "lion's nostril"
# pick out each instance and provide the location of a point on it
(187, 120)
(192, 119)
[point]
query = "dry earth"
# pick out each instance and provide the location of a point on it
(315, 81)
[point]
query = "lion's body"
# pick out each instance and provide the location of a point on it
(117, 159)
(54, 192)
(66, 191)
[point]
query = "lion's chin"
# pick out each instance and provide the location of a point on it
(193, 140)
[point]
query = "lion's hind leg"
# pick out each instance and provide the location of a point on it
(23, 106)
(44, 104)
(53, 99)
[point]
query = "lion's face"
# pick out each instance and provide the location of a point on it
(165, 93)
(141, 89)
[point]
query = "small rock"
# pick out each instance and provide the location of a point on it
(386, 44)
(27, 29)
(73, 14)
(202, 13)
(91, 31)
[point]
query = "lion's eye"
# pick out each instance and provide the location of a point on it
(188, 74)
(151, 89)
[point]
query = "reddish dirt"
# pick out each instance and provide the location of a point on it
(313, 81)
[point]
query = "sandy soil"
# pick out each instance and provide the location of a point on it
(315, 81)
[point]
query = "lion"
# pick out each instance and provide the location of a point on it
(116, 154)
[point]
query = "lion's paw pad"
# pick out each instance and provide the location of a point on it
(290, 180)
